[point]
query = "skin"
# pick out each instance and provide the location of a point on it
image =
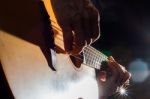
(79, 20)
(114, 77)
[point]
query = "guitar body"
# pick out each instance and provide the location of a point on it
(30, 77)
(72, 82)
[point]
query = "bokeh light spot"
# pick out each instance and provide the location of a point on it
(139, 70)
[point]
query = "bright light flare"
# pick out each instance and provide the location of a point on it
(122, 91)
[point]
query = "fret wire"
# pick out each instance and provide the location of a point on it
(87, 55)
(92, 62)
(99, 52)
(93, 52)
(88, 59)
(95, 61)
(96, 51)
(96, 56)
(92, 55)
(85, 58)
(101, 56)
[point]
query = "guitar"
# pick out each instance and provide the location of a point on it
(91, 59)
(29, 76)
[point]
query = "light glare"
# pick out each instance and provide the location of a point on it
(122, 91)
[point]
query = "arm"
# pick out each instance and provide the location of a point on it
(79, 21)
(114, 77)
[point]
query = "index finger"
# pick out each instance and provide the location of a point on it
(68, 38)
(95, 23)
(78, 36)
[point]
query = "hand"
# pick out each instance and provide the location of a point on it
(115, 76)
(79, 20)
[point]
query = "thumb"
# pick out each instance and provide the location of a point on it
(102, 76)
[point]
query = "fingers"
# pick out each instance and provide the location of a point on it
(113, 70)
(87, 27)
(120, 74)
(78, 34)
(68, 39)
(102, 76)
(90, 20)
(91, 24)
(79, 22)
(94, 22)
(125, 80)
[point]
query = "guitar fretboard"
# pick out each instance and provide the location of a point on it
(93, 57)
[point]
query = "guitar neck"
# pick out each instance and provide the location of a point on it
(93, 57)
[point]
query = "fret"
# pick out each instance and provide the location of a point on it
(89, 60)
(104, 57)
(87, 56)
(93, 57)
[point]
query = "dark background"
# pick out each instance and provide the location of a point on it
(125, 34)
(125, 27)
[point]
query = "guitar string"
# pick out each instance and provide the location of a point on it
(89, 46)
(96, 58)
(93, 49)
(89, 52)
(61, 31)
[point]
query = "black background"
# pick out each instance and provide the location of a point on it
(125, 32)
